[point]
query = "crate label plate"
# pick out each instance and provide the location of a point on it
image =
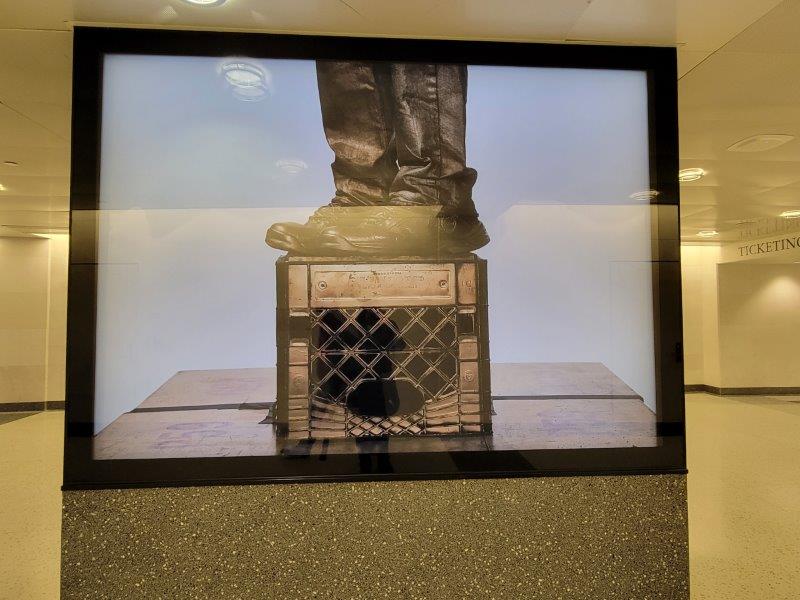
(414, 284)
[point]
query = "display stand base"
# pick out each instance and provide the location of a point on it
(542, 537)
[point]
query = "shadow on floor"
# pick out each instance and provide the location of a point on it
(15, 416)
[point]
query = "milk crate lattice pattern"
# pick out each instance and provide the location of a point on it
(349, 345)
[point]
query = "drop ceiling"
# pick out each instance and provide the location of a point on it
(737, 68)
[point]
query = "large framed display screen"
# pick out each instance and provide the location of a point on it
(311, 257)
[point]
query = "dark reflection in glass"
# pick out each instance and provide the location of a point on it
(384, 398)
(373, 455)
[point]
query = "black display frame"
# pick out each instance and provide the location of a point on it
(81, 471)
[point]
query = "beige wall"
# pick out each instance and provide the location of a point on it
(741, 320)
(32, 318)
(700, 314)
(759, 309)
(57, 319)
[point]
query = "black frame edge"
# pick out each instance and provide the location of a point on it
(91, 43)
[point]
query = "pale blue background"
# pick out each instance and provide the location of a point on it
(176, 137)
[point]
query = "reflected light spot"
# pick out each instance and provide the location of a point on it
(692, 174)
(249, 82)
(791, 214)
(205, 2)
(258, 17)
(645, 195)
(707, 233)
(166, 14)
(291, 165)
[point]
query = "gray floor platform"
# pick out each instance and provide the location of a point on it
(218, 413)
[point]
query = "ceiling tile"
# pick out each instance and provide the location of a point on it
(55, 118)
(36, 203)
(20, 131)
(776, 32)
(737, 84)
(694, 25)
(35, 66)
(711, 195)
(500, 19)
(275, 15)
(710, 139)
(53, 161)
(36, 14)
(689, 59)
(34, 185)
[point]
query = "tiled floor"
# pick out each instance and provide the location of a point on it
(744, 497)
(744, 487)
(30, 506)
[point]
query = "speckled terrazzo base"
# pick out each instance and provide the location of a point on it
(573, 537)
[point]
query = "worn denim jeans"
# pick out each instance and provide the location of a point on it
(397, 131)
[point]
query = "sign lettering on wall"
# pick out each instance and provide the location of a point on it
(784, 247)
(779, 245)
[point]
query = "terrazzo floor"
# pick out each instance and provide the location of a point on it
(744, 485)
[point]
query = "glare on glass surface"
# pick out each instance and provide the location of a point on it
(206, 2)
(791, 214)
(760, 143)
(645, 195)
(248, 81)
(291, 165)
(2, 188)
(692, 174)
(707, 233)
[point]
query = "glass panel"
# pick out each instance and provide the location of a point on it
(483, 275)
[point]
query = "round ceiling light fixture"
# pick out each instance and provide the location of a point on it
(249, 82)
(205, 2)
(707, 233)
(790, 214)
(692, 174)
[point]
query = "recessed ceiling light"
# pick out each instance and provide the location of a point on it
(248, 81)
(707, 233)
(791, 214)
(760, 143)
(206, 2)
(10, 163)
(692, 174)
